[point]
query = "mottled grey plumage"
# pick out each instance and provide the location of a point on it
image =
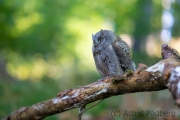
(111, 54)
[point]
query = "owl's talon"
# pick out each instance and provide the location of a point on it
(118, 78)
(129, 73)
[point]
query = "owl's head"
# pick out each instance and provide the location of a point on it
(103, 36)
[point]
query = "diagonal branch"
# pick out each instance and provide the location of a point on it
(152, 79)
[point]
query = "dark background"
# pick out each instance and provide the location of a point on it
(46, 47)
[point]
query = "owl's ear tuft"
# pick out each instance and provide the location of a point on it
(102, 32)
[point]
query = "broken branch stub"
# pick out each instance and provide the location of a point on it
(173, 67)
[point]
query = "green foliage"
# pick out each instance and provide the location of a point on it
(59, 32)
(176, 30)
(145, 59)
(19, 94)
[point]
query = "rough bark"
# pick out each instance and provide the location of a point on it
(153, 78)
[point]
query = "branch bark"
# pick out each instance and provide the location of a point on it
(154, 78)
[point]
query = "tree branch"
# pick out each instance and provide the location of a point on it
(152, 79)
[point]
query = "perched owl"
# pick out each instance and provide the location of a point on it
(111, 54)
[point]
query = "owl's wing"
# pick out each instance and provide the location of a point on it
(123, 45)
(123, 53)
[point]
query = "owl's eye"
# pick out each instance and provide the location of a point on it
(99, 39)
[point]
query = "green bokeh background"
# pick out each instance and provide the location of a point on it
(45, 48)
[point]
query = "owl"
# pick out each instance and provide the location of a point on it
(111, 54)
